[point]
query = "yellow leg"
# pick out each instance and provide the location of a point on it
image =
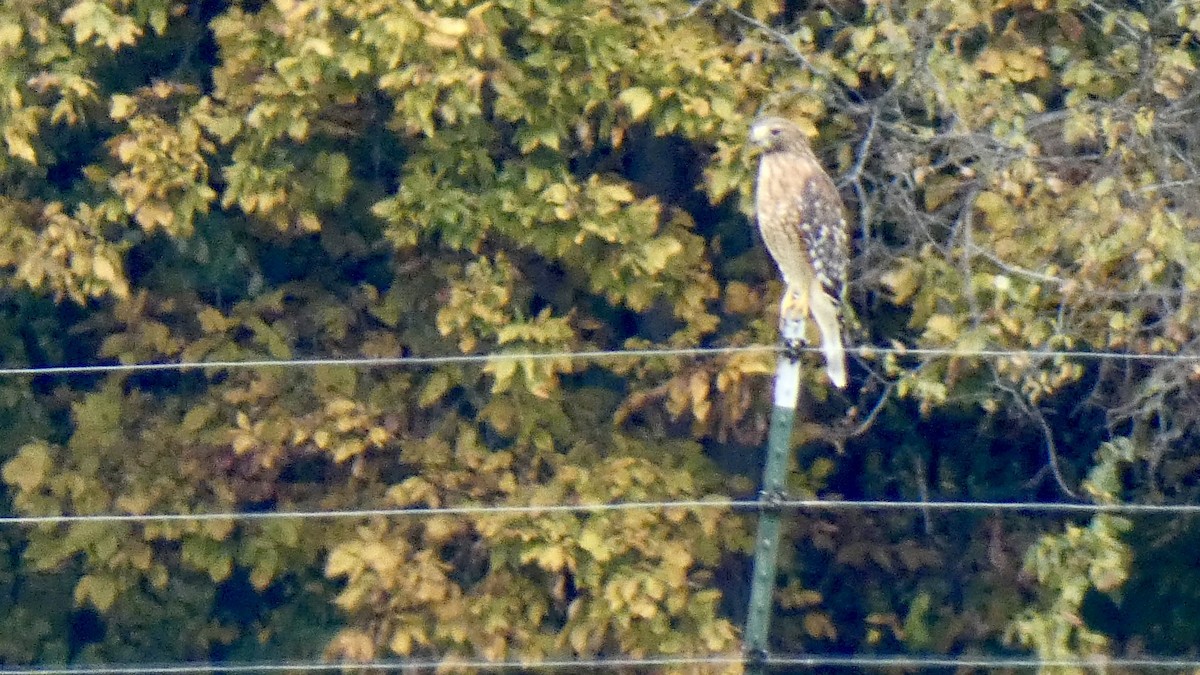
(793, 313)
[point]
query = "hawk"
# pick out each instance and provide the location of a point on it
(803, 222)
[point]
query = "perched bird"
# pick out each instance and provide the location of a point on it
(803, 222)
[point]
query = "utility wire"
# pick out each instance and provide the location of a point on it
(810, 660)
(807, 660)
(694, 504)
(452, 359)
(381, 362)
(386, 664)
(981, 661)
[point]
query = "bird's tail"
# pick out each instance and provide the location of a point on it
(826, 313)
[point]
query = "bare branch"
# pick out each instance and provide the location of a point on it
(860, 154)
(783, 41)
(1036, 415)
(1013, 269)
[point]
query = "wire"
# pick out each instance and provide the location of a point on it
(1042, 507)
(733, 504)
(810, 660)
(1030, 663)
(376, 513)
(386, 664)
(851, 661)
(451, 359)
(381, 362)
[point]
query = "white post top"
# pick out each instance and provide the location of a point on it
(787, 373)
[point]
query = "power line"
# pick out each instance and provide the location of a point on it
(1028, 663)
(693, 504)
(376, 513)
(386, 664)
(464, 359)
(600, 663)
(381, 362)
(1036, 507)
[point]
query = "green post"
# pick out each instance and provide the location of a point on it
(774, 487)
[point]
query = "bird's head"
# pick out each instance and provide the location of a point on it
(775, 133)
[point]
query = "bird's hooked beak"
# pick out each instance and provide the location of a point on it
(759, 134)
(757, 141)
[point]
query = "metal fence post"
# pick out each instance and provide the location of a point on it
(774, 485)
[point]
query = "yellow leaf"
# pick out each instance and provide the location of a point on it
(990, 61)
(380, 557)
(591, 542)
(122, 107)
(451, 26)
(552, 558)
(638, 100)
(243, 444)
(402, 642)
(349, 449)
(136, 504)
(355, 64)
(262, 575)
(997, 210)
(658, 252)
(818, 625)
(557, 193)
(19, 146)
(861, 39)
(677, 556)
(340, 406)
(197, 417)
(1143, 121)
(104, 270)
(319, 47)
(939, 189)
(618, 193)
(29, 468)
(942, 326)
(503, 370)
(643, 608)
(100, 591)
(342, 562)
(739, 298)
(903, 283)
(309, 222)
(579, 637)
(10, 35)
(212, 320)
(321, 439)
(379, 436)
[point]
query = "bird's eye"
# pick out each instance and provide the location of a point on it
(776, 131)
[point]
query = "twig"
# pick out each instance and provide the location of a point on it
(1047, 433)
(696, 7)
(864, 210)
(860, 155)
(924, 491)
(783, 41)
(875, 410)
(1013, 269)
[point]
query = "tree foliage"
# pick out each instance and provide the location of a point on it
(224, 181)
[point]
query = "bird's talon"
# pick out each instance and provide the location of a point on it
(793, 330)
(792, 349)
